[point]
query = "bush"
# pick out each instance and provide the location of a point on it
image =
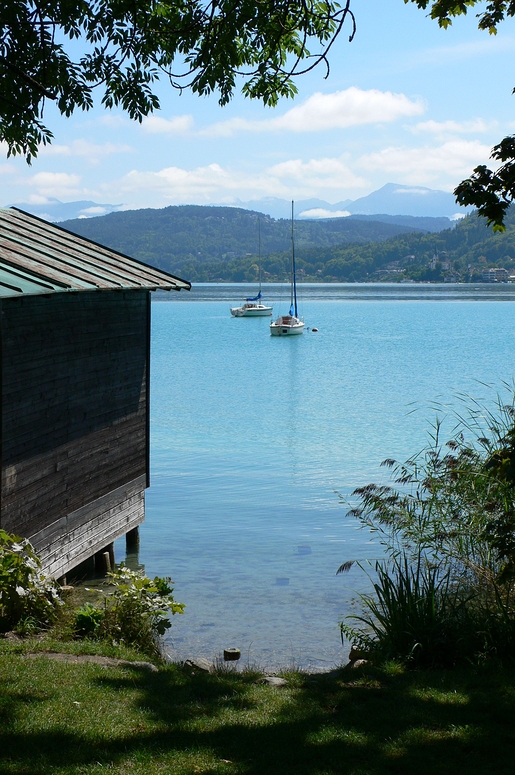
(135, 612)
(415, 615)
(88, 619)
(28, 600)
(445, 591)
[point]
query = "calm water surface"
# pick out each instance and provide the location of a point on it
(254, 436)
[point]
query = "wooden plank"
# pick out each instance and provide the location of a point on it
(86, 513)
(62, 551)
(128, 433)
(74, 423)
(37, 509)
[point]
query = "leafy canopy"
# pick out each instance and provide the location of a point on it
(491, 191)
(62, 50)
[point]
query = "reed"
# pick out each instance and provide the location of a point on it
(445, 591)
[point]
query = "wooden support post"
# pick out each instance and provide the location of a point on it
(104, 560)
(110, 550)
(107, 561)
(132, 540)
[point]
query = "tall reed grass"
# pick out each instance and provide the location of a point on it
(444, 593)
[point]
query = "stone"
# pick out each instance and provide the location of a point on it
(11, 636)
(273, 680)
(200, 663)
(77, 659)
(231, 655)
(358, 663)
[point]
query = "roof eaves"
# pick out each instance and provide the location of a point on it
(177, 284)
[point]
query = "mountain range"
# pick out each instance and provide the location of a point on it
(392, 199)
(387, 204)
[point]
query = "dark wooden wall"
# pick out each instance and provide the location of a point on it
(74, 370)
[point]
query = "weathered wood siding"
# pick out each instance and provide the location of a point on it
(74, 405)
(76, 537)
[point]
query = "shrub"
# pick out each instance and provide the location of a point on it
(88, 619)
(445, 591)
(415, 615)
(28, 600)
(136, 611)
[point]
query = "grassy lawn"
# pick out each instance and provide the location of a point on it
(61, 719)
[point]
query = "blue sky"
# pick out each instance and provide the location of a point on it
(405, 102)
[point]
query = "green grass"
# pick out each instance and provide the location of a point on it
(59, 719)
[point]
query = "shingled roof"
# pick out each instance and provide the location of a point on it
(39, 257)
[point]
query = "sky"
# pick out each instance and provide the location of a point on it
(405, 102)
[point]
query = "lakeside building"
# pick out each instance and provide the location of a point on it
(74, 380)
(494, 275)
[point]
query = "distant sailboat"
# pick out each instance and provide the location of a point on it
(253, 308)
(287, 325)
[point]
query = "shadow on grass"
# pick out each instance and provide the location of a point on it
(351, 723)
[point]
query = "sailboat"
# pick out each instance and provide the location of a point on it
(287, 325)
(253, 308)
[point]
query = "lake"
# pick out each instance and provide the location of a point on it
(255, 440)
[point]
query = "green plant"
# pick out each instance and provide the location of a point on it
(444, 592)
(136, 611)
(28, 599)
(415, 615)
(87, 620)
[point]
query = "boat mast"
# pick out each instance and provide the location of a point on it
(259, 251)
(293, 278)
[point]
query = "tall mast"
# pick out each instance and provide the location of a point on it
(259, 250)
(293, 277)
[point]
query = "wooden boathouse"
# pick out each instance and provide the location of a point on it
(74, 381)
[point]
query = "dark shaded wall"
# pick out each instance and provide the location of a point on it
(74, 371)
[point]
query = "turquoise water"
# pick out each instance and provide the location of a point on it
(253, 437)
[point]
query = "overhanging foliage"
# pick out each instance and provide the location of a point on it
(124, 48)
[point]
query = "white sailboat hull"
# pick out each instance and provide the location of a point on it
(290, 324)
(251, 311)
(286, 325)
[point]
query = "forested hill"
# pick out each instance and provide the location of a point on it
(216, 244)
(459, 254)
(173, 237)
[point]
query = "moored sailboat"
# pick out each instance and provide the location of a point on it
(253, 307)
(290, 324)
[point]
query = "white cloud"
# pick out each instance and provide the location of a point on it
(323, 112)
(88, 211)
(484, 46)
(454, 127)
(7, 169)
(214, 183)
(85, 149)
(318, 173)
(454, 159)
(113, 120)
(56, 184)
(177, 125)
(175, 184)
(319, 212)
